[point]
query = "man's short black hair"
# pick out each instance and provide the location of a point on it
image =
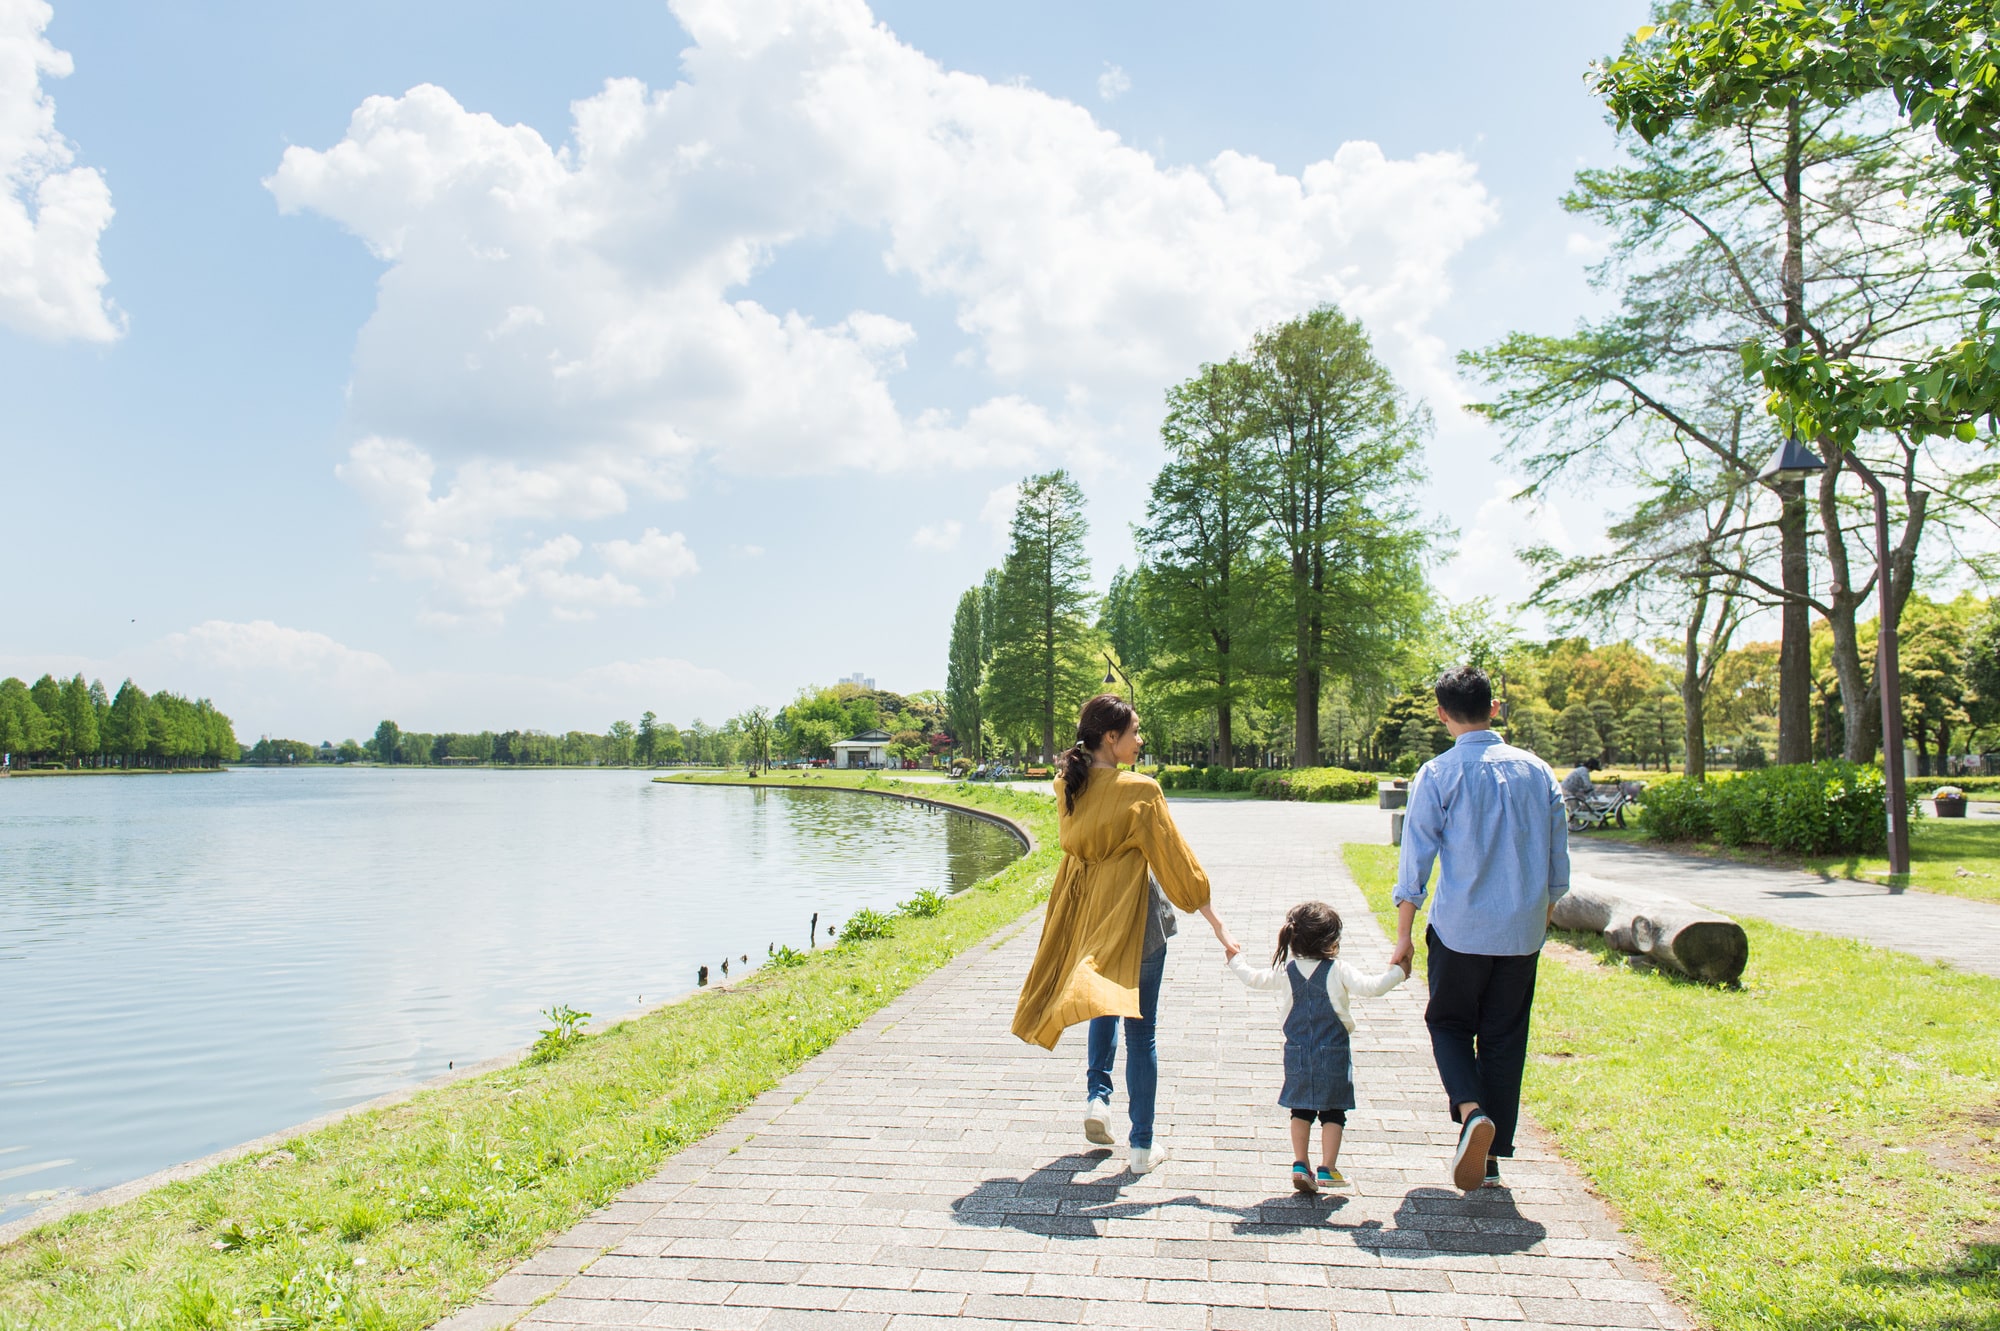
(1466, 694)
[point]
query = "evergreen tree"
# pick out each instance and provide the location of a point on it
(24, 729)
(1206, 576)
(128, 725)
(388, 739)
(1337, 456)
(964, 671)
(76, 720)
(1041, 663)
(647, 744)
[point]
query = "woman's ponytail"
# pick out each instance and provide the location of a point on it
(1106, 714)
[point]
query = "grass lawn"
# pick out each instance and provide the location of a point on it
(391, 1218)
(1956, 856)
(1818, 1149)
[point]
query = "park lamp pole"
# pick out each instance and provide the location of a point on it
(1113, 675)
(1795, 462)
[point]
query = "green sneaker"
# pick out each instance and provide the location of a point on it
(1331, 1179)
(1302, 1178)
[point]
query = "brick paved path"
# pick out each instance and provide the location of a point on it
(930, 1171)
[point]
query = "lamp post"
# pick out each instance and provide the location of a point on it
(1795, 462)
(1113, 675)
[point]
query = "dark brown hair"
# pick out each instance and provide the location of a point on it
(1312, 931)
(1465, 694)
(1106, 714)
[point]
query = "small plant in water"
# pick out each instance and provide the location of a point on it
(561, 1037)
(865, 924)
(924, 905)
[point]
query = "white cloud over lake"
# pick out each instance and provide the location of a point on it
(563, 330)
(52, 212)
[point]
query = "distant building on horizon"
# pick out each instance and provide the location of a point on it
(865, 681)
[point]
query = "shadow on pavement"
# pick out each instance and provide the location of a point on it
(1052, 1203)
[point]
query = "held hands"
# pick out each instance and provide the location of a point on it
(1404, 954)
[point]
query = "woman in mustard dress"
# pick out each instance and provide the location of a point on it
(1124, 871)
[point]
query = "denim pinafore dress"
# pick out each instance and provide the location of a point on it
(1319, 1059)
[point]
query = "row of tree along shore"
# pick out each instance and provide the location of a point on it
(67, 723)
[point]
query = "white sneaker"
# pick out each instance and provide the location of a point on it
(1097, 1123)
(1146, 1159)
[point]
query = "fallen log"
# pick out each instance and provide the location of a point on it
(1679, 935)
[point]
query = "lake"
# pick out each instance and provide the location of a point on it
(188, 962)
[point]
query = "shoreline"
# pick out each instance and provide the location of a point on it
(116, 1194)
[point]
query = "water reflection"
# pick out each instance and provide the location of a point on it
(190, 962)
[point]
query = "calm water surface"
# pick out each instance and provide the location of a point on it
(189, 962)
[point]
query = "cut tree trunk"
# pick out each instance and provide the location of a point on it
(1677, 934)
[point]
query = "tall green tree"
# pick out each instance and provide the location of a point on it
(647, 742)
(76, 721)
(1336, 459)
(1042, 665)
(25, 731)
(388, 742)
(128, 726)
(1934, 64)
(1208, 579)
(1785, 224)
(965, 668)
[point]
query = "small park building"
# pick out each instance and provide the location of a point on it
(868, 749)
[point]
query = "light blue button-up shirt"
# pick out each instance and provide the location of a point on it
(1494, 814)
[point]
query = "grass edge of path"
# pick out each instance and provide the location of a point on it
(393, 1217)
(1818, 1149)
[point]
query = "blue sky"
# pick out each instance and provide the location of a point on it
(519, 397)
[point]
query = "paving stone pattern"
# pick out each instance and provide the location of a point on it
(930, 1170)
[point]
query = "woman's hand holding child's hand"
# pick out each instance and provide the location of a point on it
(1230, 949)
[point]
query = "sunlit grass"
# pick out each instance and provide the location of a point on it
(391, 1218)
(1956, 856)
(1820, 1148)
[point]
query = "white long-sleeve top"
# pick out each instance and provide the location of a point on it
(1341, 980)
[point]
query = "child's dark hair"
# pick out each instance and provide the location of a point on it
(1106, 714)
(1312, 929)
(1465, 694)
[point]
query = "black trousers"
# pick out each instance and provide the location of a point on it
(1478, 1017)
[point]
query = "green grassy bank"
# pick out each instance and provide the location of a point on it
(393, 1217)
(1956, 856)
(1818, 1149)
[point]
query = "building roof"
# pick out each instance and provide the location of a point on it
(867, 739)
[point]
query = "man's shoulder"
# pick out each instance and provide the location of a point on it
(1505, 752)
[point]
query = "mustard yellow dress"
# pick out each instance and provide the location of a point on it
(1087, 964)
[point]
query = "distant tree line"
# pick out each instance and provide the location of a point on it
(80, 725)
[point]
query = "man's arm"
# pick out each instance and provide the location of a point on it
(1423, 831)
(1558, 849)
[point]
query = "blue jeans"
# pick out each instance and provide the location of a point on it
(1142, 1058)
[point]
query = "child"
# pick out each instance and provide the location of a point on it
(1313, 988)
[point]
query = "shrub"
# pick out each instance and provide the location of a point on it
(924, 904)
(786, 957)
(1825, 808)
(865, 924)
(561, 1037)
(1678, 809)
(1319, 784)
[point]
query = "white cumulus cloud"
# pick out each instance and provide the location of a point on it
(51, 212)
(938, 535)
(1113, 83)
(569, 327)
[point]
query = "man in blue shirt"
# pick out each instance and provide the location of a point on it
(1493, 814)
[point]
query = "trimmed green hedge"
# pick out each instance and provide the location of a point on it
(1272, 783)
(1972, 785)
(1806, 808)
